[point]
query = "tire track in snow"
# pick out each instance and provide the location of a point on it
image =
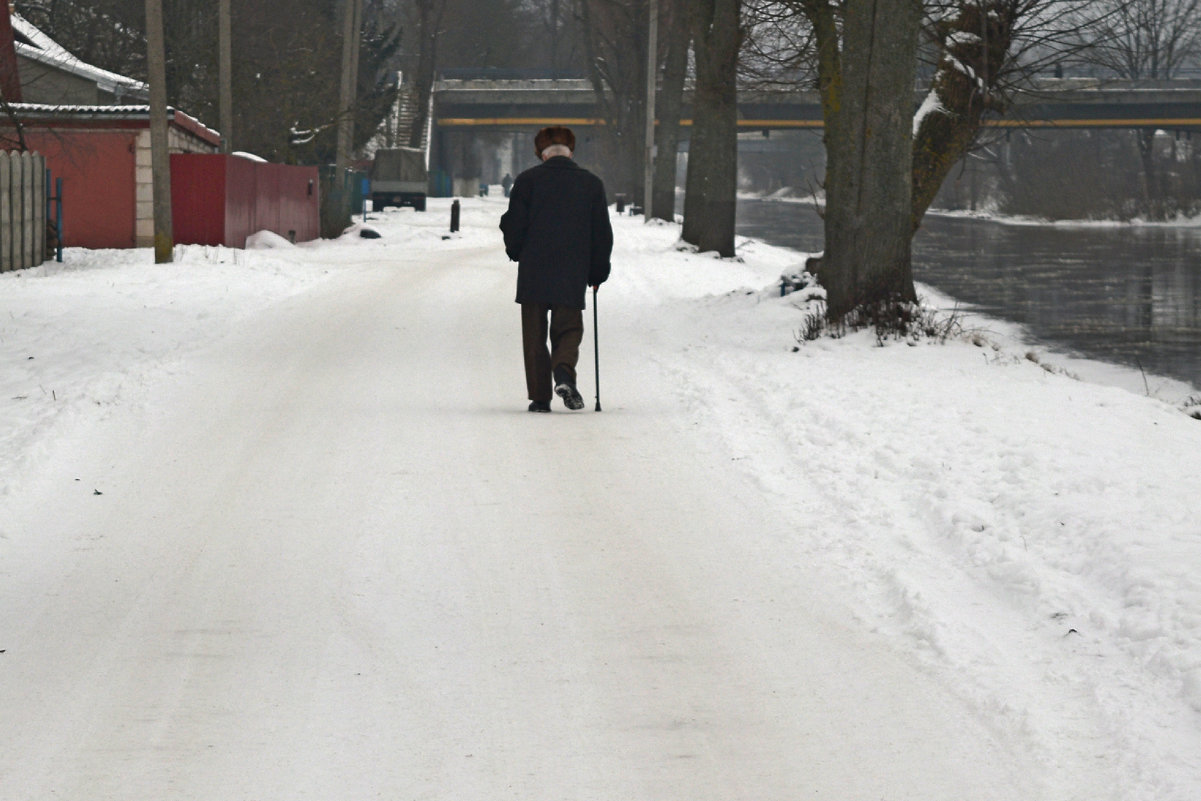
(926, 538)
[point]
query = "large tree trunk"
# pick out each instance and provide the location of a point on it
(709, 199)
(160, 156)
(867, 259)
(670, 104)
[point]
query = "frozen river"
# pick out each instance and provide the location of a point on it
(1125, 294)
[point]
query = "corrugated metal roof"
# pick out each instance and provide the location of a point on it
(32, 112)
(59, 109)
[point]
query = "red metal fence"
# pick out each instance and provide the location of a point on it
(221, 200)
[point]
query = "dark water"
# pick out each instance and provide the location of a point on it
(1124, 294)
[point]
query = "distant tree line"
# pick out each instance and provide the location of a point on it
(871, 60)
(287, 56)
(1107, 173)
(1065, 174)
(285, 64)
(971, 56)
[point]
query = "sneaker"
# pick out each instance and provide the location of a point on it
(539, 406)
(570, 395)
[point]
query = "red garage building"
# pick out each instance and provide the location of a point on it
(102, 153)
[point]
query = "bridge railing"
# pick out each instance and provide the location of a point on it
(1053, 102)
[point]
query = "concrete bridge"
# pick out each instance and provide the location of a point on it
(520, 105)
(478, 124)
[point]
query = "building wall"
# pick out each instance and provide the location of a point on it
(178, 141)
(40, 84)
(108, 187)
(98, 183)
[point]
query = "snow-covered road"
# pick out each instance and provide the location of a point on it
(329, 555)
(339, 560)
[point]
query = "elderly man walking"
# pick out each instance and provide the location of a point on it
(557, 230)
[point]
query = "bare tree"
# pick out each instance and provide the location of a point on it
(551, 37)
(972, 42)
(677, 38)
(18, 129)
(487, 34)
(1142, 40)
(984, 51)
(164, 237)
(867, 56)
(709, 193)
(107, 33)
(615, 35)
(280, 64)
(977, 52)
(780, 51)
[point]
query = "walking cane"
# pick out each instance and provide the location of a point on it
(596, 348)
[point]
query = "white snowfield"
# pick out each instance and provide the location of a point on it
(275, 524)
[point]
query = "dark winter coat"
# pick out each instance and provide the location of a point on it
(557, 230)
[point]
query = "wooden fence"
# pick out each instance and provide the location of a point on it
(22, 210)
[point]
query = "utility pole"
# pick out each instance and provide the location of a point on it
(652, 61)
(225, 101)
(346, 96)
(160, 156)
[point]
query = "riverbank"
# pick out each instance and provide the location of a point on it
(793, 195)
(1122, 295)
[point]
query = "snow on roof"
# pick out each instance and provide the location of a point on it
(59, 112)
(43, 49)
(81, 110)
(514, 85)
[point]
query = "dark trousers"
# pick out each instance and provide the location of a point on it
(543, 366)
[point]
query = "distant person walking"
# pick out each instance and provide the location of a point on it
(557, 230)
(506, 183)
